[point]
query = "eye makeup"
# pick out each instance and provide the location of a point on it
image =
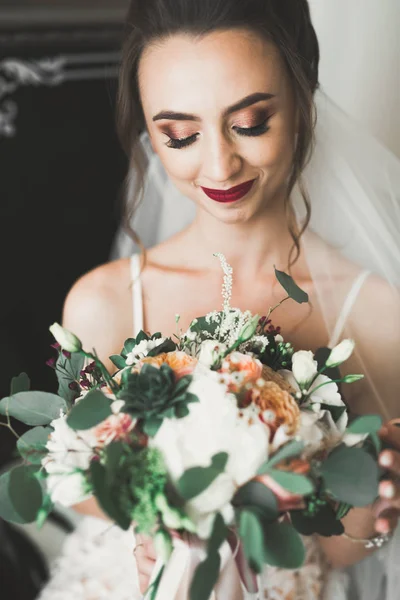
(250, 126)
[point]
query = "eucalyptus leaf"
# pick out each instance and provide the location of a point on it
(197, 479)
(256, 495)
(25, 493)
(366, 424)
(283, 546)
(7, 510)
(351, 475)
(32, 445)
(324, 522)
(293, 482)
(33, 408)
(104, 494)
(289, 450)
(93, 409)
(118, 361)
(252, 536)
(218, 534)
(292, 289)
(21, 383)
(205, 577)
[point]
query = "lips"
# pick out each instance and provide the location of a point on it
(230, 195)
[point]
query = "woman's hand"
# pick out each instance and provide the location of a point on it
(146, 560)
(387, 509)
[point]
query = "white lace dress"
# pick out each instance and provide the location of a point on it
(98, 563)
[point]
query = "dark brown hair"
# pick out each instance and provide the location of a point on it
(287, 23)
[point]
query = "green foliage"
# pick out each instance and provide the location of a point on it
(292, 449)
(291, 288)
(25, 493)
(154, 394)
(252, 535)
(33, 408)
(283, 546)
(21, 383)
(91, 410)
(206, 328)
(257, 497)
(7, 510)
(351, 475)
(119, 360)
(197, 479)
(139, 477)
(32, 445)
(68, 371)
(323, 522)
(292, 482)
(365, 425)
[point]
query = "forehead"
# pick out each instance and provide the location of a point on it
(183, 71)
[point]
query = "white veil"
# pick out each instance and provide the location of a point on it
(354, 185)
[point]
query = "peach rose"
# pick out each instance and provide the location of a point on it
(243, 368)
(181, 363)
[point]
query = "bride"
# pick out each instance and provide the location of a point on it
(225, 93)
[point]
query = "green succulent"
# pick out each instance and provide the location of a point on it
(153, 394)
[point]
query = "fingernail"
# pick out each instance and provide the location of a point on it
(387, 490)
(386, 459)
(382, 526)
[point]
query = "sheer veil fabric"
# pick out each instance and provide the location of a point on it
(354, 186)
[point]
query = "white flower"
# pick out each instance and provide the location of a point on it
(69, 452)
(67, 340)
(278, 339)
(210, 350)
(213, 425)
(65, 486)
(304, 367)
(142, 349)
(328, 393)
(340, 353)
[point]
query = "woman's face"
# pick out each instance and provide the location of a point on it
(220, 112)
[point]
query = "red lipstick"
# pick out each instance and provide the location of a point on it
(230, 195)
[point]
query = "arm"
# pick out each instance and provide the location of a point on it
(375, 326)
(94, 310)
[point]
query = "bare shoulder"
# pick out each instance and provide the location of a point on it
(98, 308)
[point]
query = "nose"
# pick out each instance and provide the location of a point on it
(222, 161)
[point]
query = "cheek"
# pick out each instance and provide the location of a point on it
(181, 165)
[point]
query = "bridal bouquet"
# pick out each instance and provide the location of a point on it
(226, 436)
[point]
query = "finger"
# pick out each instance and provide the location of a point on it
(390, 434)
(390, 460)
(389, 490)
(387, 521)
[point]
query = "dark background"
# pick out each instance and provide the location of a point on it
(61, 170)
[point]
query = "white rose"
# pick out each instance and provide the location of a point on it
(67, 340)
(212, 426)
(304, 367)
(340, 353)
(326, 394)
(210, 350)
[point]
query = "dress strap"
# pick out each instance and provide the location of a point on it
(347, 306)
(137, 295)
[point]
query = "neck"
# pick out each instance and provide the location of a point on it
(252, 248)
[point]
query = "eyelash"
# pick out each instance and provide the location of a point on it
(255, 131)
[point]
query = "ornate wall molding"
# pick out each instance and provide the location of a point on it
(49, 72)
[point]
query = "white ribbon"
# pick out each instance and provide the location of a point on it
(179, 570)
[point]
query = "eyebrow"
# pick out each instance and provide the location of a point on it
(244, 103)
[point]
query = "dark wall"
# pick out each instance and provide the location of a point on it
(61, 172)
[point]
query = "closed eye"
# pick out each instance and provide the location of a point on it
(255, 131)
